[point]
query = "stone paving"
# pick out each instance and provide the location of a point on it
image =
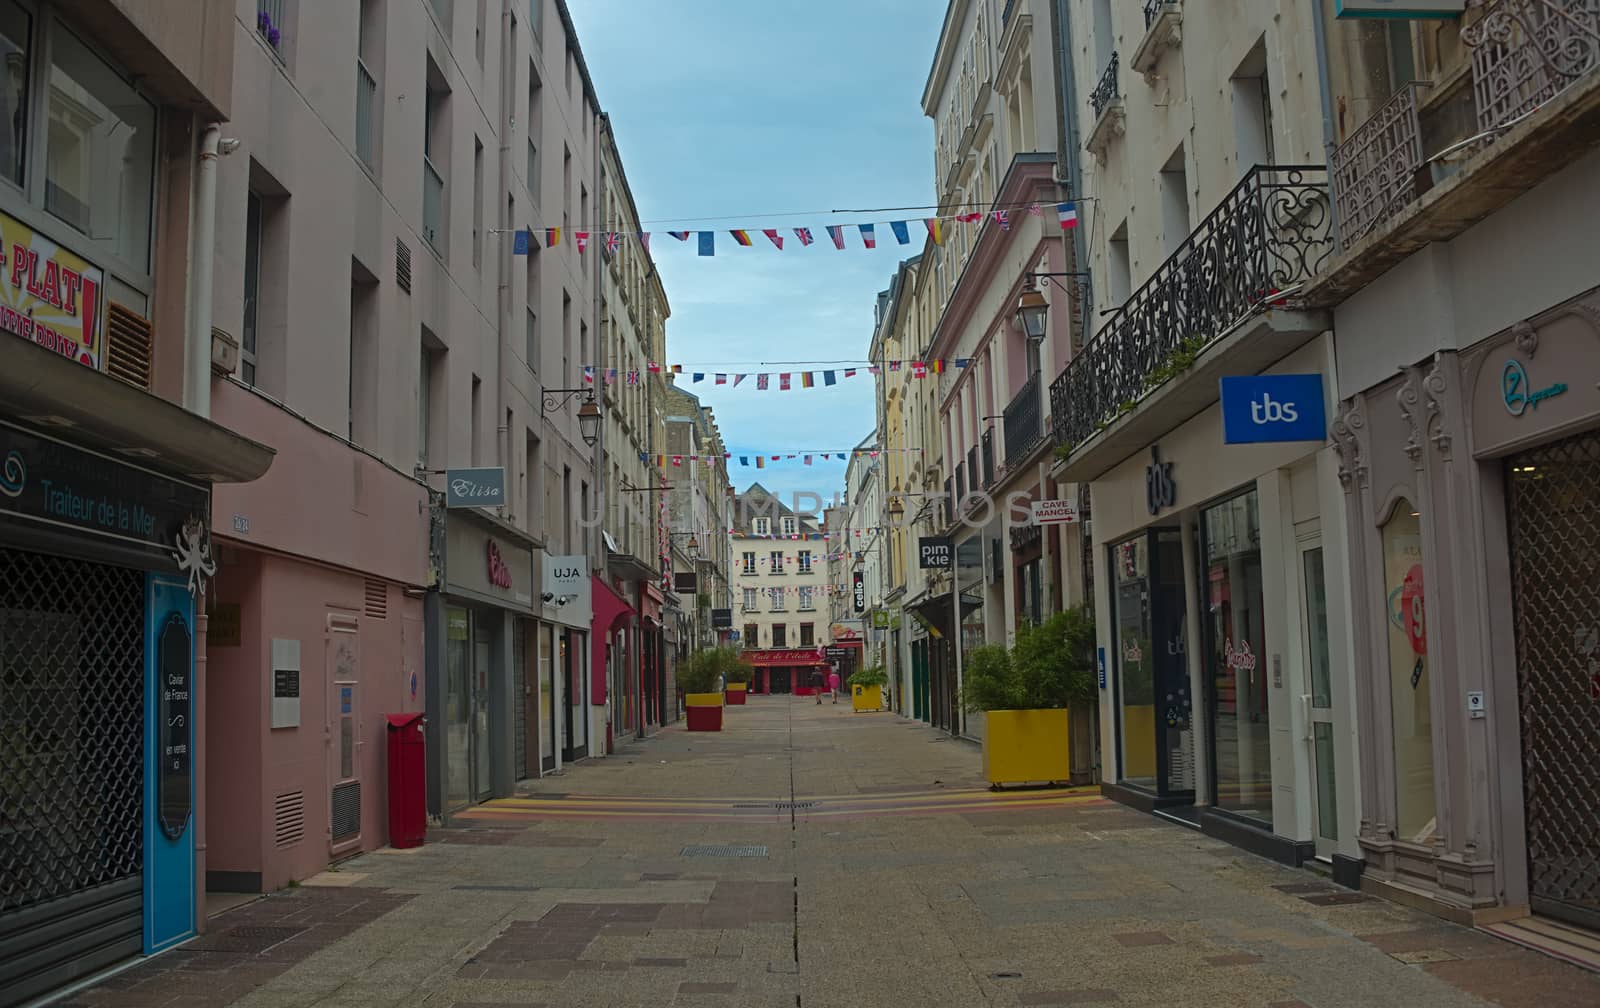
(808, 856)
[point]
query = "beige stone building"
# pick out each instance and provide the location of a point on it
(779, 581)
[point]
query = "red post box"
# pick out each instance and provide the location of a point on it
(408, 793)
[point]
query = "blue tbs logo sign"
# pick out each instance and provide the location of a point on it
(1259, 408)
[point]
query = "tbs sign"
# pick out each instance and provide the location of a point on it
(1257, 408)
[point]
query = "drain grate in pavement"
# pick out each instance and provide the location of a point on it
(251, 939)
(496, 888)
(776, 804)
(724, 850)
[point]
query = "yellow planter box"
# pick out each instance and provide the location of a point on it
(866, 698)
(702, 699)
(1027, 747)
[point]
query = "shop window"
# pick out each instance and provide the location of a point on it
(1409, 688)
(15, 32)
(1135, 662)
(99, 151)
(751, 635)
(1236, 662)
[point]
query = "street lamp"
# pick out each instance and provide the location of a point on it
(588, 413)
(896, 509)
(1031, 312)
(693, 547)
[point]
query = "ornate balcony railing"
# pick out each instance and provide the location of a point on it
(1152, 10)
(986, 444)
(1271, 233)
(1105, 91)
(1525, 52)
(1023, 428)
(1375, 171)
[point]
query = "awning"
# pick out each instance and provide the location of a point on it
(608, 608)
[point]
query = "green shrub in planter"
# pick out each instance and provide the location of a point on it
(1051, 666)
(699, 672)
(734, 667)
(873, 675)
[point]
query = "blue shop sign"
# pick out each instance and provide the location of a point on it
(1518, 392)
(1259, 408)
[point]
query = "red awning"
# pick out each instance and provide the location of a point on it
(608, 608)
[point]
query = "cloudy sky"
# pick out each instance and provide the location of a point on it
(770, 115)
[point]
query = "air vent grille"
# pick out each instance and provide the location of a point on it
(289, 818)
(346, 810)
(377, 599)
(129, 341)
(402, 265)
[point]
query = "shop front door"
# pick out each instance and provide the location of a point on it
(1314, 597)
(481, 787)
(344, 728)
(1555, 577)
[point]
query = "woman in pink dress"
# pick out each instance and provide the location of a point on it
(833, 684)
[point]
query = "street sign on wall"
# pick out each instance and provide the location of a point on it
(722, 619)
(860, 592)
(1053, 512)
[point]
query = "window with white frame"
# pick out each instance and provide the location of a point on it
(775, 599)
(763, 526)
(806, 603)
(749, 558)
(749, 600)
(775, 562)
(805, 561)
(790, 526)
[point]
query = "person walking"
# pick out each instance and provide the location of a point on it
(818, 684)
(833, 683)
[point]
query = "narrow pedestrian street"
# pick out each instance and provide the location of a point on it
(810, 856)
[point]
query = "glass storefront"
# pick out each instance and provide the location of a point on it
(458, 706)
(1408, 676)
(547, 685)
(1154, 707)
(1235, 657)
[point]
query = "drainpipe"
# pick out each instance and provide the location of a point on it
(1329, 141)
(197, 378)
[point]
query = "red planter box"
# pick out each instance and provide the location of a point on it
(735, 697)
(704, 718)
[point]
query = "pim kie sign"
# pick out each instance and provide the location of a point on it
(48, 295)
(780, 656)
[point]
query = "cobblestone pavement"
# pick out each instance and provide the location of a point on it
(813, 857)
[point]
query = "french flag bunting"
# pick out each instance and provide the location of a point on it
(681, 235)
(836, 232)
(901, 234)
(868, 238)
(774, 236)
(849, 372)
(588, 375)
(722, 379)
(1067, 213)
(804, 234)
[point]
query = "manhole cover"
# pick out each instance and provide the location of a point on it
(724, 850)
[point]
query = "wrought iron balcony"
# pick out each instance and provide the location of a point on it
(1106, 90)
(1153, 9)
(1525, 52)
(1270, 234)
(1375, 171)
(986, 450)
(1023, 429)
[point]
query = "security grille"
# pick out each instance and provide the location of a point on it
(346, 810)
(1555, 567)
(71, 725)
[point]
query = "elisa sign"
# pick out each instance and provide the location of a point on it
(1259, 408)
(48, 295)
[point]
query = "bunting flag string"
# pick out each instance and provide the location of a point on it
(763, 459)
(706, 240)
(786, 379)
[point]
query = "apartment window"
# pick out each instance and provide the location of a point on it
(751, 636)
(805, 561)
(429, 397)
(790, 526)
(99, 151)
(363, 420)
(1174, 202)
(775, 599)
(566, 504)
(1252, 109)
(568, 61)
(534, 299)
(749, 600)
(808, 635)
(483, 18)
(434, 148)
(536, 16)
(477, 202)
(583, 342)
(775, 562)
(1120, 281)
(531, 353)
(248, 343)
(763, 526)
(530, 477)
(476, 420)
(749, 559)
(566, 336)
(780, 635)
(270, 24)
(806, 603)
(535, 125)
(584, 517)
(16, 32)
(368, 108)
(566, 189)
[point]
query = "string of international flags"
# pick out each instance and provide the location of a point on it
(760, 460)
(706, 241)
(786, 380)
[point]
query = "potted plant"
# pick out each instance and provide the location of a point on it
(866, 688)
(697, 681)
(736, 674)
(1027, 694)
